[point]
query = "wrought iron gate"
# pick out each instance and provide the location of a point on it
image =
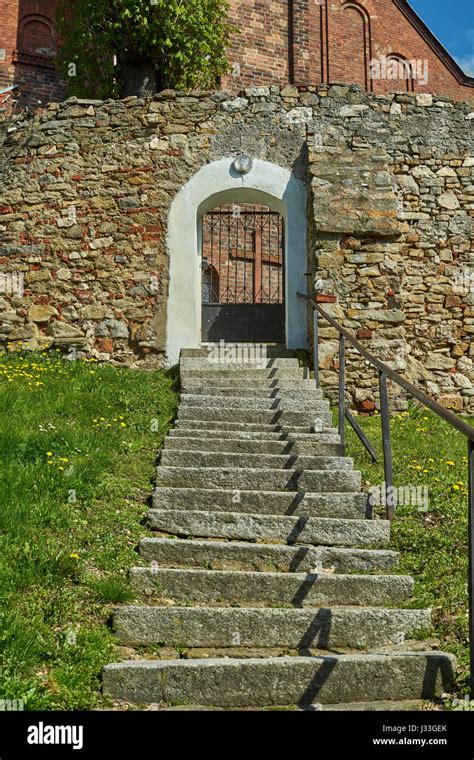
(243, 275)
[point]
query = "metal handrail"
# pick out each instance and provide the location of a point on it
(453, 419)
(385, 372)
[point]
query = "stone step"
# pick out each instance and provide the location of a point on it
(349, 505)
(242, 376)
(272, 350)
(320, 531)
(219, 382)
(406, 705)
(281, 428)
(245, 446)
(294, 589)
(255, 416)
(244, 431)
(239, 555)
(258, 682)
(205, 459)
(218, 363)
(297, 629)
(303, 391)
(316, 481)
(293, 403)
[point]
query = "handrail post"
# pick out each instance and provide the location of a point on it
(342, 389)
(387, 446)
(316, 347)
(470, 460)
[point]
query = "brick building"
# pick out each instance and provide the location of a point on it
(380, 44)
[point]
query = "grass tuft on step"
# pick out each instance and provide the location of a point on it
(78, 442)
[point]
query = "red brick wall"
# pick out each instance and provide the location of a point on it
(280, 41)
(8, 38)
(260, 49)
(28, 37)
(315, 41)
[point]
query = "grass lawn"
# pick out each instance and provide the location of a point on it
(78, 443)
(433, 543)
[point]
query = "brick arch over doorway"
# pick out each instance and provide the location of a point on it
(266, 184)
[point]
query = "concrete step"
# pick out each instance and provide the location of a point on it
(320, 531)
(316, 481)
(308, 428)
(205, 459)
(255, 416)
(349, 505)
(241, 375)
(257, 682)
(220, 364)
(272, 350)
(293, 589)
(239, 555)
(245, 446)
(406, 705)
(293, 403)
(304, 390)
(297, 629)
(219, 382)
(200, 428)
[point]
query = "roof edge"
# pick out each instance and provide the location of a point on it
(434, 43)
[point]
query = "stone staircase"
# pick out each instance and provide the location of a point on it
(268, 584)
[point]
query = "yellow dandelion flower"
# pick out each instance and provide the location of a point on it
(49, 453)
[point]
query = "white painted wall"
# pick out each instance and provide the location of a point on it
(215, 184)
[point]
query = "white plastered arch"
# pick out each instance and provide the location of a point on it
(215, 184)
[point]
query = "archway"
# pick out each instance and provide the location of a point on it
(215, 185)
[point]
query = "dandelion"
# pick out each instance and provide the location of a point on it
(74, 555)
(450, 464)
(49, 453)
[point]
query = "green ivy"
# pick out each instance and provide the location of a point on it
(184, 41)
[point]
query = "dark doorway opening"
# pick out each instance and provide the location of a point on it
(243, 274)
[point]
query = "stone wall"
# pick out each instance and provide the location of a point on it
(86, 189)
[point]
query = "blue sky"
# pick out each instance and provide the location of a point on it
(452, 21)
